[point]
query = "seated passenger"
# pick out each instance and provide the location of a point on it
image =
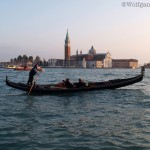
(61, 84)
(68, 84)
(81, 83)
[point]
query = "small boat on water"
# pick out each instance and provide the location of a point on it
(23, 68)
(10, 67)
(54, 89)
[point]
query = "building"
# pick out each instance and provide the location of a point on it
(60, 63)
(124, 63)
(147, 65)
(92, 59)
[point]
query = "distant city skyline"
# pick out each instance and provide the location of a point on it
(38, 28)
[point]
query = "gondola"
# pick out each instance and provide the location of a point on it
(54, 89)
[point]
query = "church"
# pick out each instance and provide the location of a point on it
(89, 60)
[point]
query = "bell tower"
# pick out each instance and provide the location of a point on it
(67, 50)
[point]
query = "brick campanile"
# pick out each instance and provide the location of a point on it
(67, 49)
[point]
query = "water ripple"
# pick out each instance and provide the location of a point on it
(109, 119)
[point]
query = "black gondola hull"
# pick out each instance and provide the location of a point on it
(52, 89)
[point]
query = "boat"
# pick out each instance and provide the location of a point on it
(54, 88)
(22, 68)
(10, 67)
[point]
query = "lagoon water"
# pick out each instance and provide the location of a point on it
(98, 120)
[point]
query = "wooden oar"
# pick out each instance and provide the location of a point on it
(32, 87)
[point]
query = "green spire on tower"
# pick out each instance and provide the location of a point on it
(67, 35)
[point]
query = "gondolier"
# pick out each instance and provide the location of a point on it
(32, 73)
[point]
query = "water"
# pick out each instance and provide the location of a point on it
(97, 120)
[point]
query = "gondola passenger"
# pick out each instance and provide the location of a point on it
(69, 84)
(81, 83)
(61, 84)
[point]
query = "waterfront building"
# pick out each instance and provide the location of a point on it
(92, 59)
(52, 62)
(124, 63)
(147, 65)
(84, 63)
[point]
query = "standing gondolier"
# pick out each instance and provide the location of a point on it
(32, 73)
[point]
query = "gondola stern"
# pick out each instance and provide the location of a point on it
(6, 79)
(142, 70)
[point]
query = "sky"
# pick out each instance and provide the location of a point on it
(39, 27)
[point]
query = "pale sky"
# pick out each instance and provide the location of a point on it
(38, 28)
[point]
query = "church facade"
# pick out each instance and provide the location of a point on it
(92, 59)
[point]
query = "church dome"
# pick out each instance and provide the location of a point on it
(92, 50)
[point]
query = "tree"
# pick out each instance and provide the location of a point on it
(31, 59)
(11, 61)
(15, 60)
(19, 59)
(37, 60)
(25, 59)
(45, 63)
